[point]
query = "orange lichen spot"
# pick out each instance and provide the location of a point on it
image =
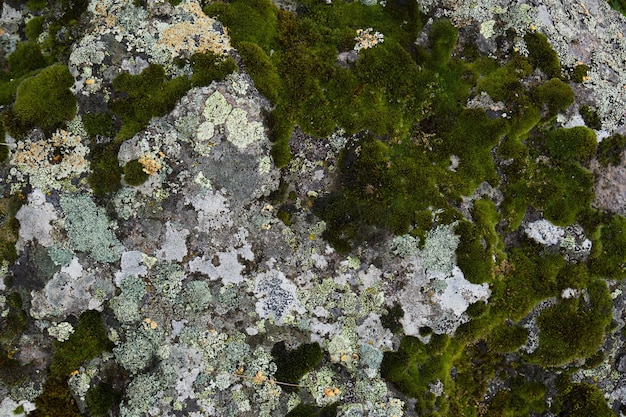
(259, 378)
(150, 323)
(74, 372)
(89, 81)
(331, 392)
(150, 165)
(532, 27)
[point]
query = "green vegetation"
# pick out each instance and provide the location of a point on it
(88, 341)
(541, 54)
(590, 116)
(555, 94)
(100, 398)
(582, 400)
(106, 173)
(99, 124)
(141, 97)
(44, 101)
(9, 227)
(34, 28)
(579, 73)
(619, 5)
(134, 173)
(522, 399)
(611, 149)
(292, 365)
(574, 144)
(574, 328)
(307, 410)
(609, 260)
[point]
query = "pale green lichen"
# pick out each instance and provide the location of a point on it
(126, 306)
(61, 331)
(60, 256)
(88, 228)
(439, 250)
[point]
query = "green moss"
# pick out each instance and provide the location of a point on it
(34, 28)
(391, 319)
(504, 339)
(541, 54)
(416, 365)
(582, 400)
(610, 255)
(579, 73)
(26, 58)
(144, 96)
(248, 21)
(308, 410)
(208, 67)
(573, 276)
(590, 116)
(100, 399)
(442, 39)
(45, 100)
(261, 69)
(574, 144)
(503, 83)
(88, 341)
(99, 124)
(36, 5)
(9, 228)
(292, 365)
(573, 328)
(611, 149)
(524, 398)
(528, 278)
(555, 94)
(56, 400)
(106, 174)
(134, 173)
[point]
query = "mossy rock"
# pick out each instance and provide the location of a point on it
(134, 173)
(34, 28)
(45, 100)
(610, 150)
(292, 365)
(541, 54)
(574, 144)
(88, 341)
(573, 328)
(101, 398)
(579, 73)
(555, 94)
(609, 259)
(99, 124)
(590, 116)
(582, 400)
(26, 58)
(106, 174)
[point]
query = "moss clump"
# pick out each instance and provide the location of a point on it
(261, 69)
(101, 398)
(391, 319)
(582, 400)
(34, 28)
(504, 339)
(99, 124)
(88, 341)
(573, 328)
(45, 100)
(134, 173)
(308, 410)
(292, 365)
(524, 398)
(611, 149)
(9, 228)
(56, 400)
(590, 116)
(208, 67)
(106, 174)
(144, 96)
(609, 257)
(541, 54)
(575, 144)
(415, 365)
(26, 58)
(555, 94)
(579, 73)
(247, 20)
